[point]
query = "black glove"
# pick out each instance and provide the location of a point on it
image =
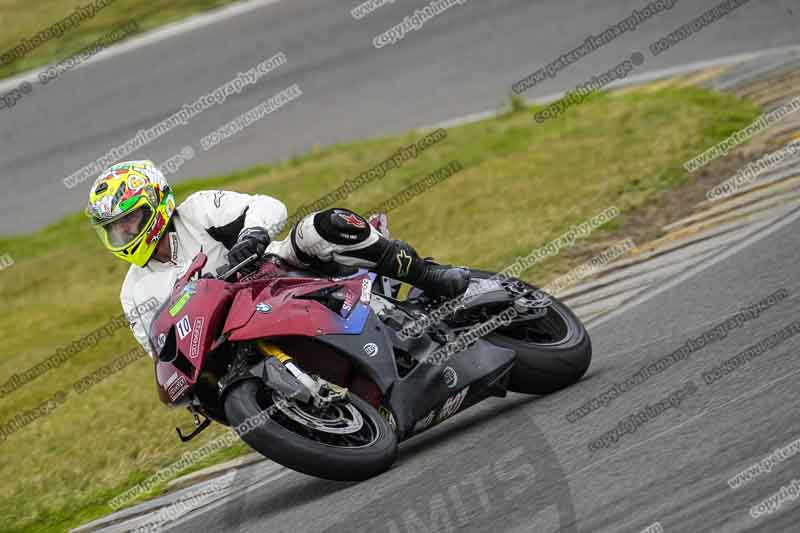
(251, 241)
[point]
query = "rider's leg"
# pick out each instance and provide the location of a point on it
(344, 237)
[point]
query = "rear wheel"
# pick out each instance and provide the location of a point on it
(553, 351)
(346, 441)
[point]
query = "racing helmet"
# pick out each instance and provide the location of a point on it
(130, 207)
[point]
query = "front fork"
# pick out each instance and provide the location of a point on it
(280, 374)
(317, 391)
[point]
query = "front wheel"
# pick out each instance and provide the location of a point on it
(553, 351)
(346, 441)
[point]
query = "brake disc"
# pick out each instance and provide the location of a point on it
(337, 424)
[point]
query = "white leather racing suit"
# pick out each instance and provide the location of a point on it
(198, 220)
(212, 220)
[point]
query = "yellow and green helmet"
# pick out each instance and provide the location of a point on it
(130, 207)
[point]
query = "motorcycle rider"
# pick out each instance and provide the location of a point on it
(133, 210)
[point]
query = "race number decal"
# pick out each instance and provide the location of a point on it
(184, 327)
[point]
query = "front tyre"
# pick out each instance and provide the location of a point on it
(347, 441)
(553, 352)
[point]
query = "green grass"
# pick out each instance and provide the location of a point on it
(523, 184)
(23, 20)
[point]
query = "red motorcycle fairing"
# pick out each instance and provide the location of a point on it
(187, 327)
(184, 330)
(269, 303)
(280, 307)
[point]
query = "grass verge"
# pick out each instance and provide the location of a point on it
(522, 185)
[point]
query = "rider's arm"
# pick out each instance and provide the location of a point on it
(136, 321)
(231, 212)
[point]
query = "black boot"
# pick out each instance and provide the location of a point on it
(401, 262)
(438, 280)
(360, 245)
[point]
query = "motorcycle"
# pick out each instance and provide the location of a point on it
(320, 374)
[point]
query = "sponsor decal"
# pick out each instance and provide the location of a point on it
(122, 166)
(177, 388)
(366, 290)
(170, 207)
(102, 208)
(117, 198)
(426, 422)
(482, 286)
(152, 195)
(353, 220)
(184, 327)
(349, 299)
(157, 228)
(153, 174)
(173, 246)
(197, 333)
(264, 308)
(371, 349)
(218, 198)
(450, 377)
(172, 379)
(452, 405)
(135, 182)
(175, 309)
(403, 263)
(162, 340)
(387, 414)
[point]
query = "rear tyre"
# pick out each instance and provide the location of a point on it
(553, 352)
(324, 444)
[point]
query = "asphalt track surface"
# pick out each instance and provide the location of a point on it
(461, 62)
(507, 465)
(518, 465)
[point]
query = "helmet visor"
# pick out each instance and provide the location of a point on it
(124, 230)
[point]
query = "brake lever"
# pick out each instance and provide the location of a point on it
(224, 276)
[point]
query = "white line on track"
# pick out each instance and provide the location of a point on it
(633, 80)
(757, 236)
(159, 34)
